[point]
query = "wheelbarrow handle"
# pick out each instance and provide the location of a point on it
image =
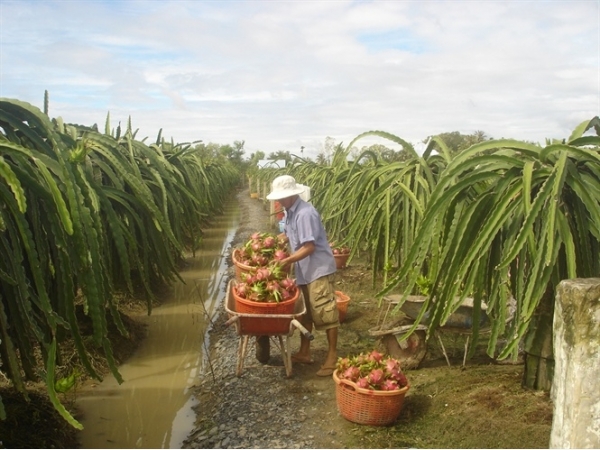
(232, 320)
(307, 334)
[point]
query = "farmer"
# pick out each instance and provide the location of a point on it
(314, 268)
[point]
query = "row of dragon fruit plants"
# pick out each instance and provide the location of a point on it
(500, 221)
(84, 215)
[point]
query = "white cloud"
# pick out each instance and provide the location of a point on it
(281, 75)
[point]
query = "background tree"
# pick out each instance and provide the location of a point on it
(255, 157)
(327, 151)
(383, 153)
(234, 153)
(322, 159)
(456, 142)
(280, 155)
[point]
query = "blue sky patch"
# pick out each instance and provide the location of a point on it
(398, 39)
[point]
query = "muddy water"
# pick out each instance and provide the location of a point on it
(153, 407)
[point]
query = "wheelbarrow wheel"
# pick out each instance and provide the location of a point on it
(263, 349)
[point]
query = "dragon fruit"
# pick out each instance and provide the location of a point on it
(351, 373)
(269, 242)
(363, 383)
(376, 377)
(389, 385)
(263, 274)
(375, 356)
(280, 254)
(391, 365)
(242, 290)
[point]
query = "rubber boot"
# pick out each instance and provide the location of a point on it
(263, 349)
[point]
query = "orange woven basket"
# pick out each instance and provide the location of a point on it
(239, 267)
(366, 406)
(243, 268)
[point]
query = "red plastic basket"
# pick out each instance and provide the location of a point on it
(341, 259)
(261, 324)
(246, 306)
(366, 406)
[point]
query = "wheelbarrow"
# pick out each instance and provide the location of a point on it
(274, 326)
(412, 349)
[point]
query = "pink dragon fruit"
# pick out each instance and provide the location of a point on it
(389, 385)
(375, 377)
(375, 356)
(363, 383)
(351, 373)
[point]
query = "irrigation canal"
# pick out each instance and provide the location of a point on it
(153, 407)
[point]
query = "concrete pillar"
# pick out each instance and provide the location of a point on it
(576, 385)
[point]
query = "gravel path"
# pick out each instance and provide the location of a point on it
(262, 408)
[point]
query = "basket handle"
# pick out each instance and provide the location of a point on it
(347, 383)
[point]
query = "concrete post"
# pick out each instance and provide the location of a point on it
(576, 385)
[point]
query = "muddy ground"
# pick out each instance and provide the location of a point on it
(480, 405)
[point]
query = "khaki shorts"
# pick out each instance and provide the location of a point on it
(321, 307)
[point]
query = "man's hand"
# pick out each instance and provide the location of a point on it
(307, 249)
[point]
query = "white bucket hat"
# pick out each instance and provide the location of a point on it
(283, 187)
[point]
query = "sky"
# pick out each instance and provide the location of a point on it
(299, 75)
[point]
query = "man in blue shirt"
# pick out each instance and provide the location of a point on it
(314, 268)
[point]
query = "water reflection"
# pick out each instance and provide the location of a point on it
(153, 407)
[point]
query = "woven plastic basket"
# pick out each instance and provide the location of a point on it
(239, 267)
(366, 406)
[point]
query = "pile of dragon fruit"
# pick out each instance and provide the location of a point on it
(372, 371)
(268, 281)
(339, 249)
(261, 249)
